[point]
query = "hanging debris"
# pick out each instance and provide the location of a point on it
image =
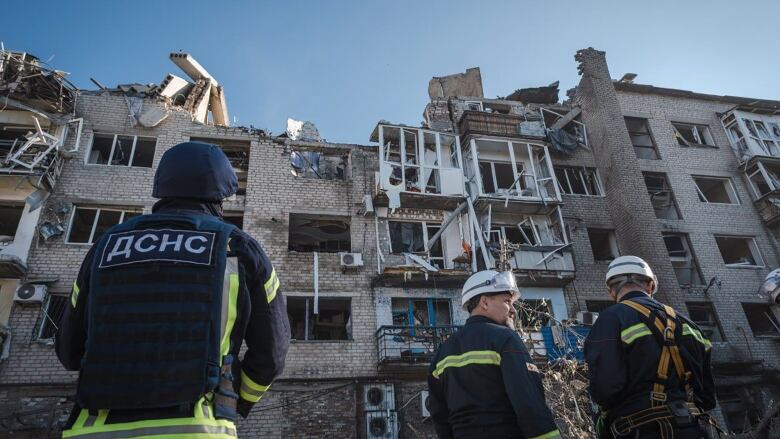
(27, 80)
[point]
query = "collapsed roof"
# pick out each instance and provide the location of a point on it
(33, 85)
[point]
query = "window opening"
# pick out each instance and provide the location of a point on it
(88, 223)
(715, 190)
(319, 233)
(661, 196)
(334, 321)
(703, 314)
(50, 316)
(603, 244)
(641, 138)
(761, 319)
(683, 260)
(692, 134)
(739, 251)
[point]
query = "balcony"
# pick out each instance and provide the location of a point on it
(769, 209)
(499, 125)
(543, 266)
(408, 350)
(763, 175)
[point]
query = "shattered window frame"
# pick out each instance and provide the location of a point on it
(762, 319)
(711, 327)
(644, 131)
(96, 220)
(404, 309)
(131, 158)
(603, 241)
(588, 178)
(752, 247)
(683, 259)
(727, 185)
(669, 209)
(770, 176)
(532, 170)
(325, 167)
(700, 134)
(311, 321)
(50, 317)
(437, 261)
(298, 245)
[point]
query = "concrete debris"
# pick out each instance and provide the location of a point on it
(302, 130)
(536, 95)
(152, 116)
(459, 84)
(24, 78)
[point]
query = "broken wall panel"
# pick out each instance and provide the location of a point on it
(319, 233)
(324, 165)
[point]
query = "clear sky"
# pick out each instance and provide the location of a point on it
(344, 65)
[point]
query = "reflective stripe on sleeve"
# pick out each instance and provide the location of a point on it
(550, 435)
(250, 390)
(74, 295)
(688, 330)
(271, 286)
(466, 359)
(630, 334)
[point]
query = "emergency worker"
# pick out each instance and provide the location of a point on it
(160, 308)
(649, 366)
(482, 381)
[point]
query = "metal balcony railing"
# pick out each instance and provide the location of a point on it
(410, 344)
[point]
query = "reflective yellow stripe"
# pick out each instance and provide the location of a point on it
(688, 330)
(230, 320)
(550, 435)
(250, 390)
(101, 418)
(466, 359)
(158, 428)
(271, 286)
(83, 414)
(74, 295)
(631, 333)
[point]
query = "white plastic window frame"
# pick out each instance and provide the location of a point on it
(731, 190)
(594, 172)
(701, 133)
(752, 246)
(113, 149)
(426, 237)
(94, 221)
(466, 105)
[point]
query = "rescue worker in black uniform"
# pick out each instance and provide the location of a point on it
(649, 366)
(482, 381)
(160, 308)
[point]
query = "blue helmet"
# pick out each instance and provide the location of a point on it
(195, 170)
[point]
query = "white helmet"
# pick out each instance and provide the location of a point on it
(625, 265)
(489, 281)
(771, 287)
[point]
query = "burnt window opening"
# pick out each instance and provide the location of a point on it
(89, 223)
(332, 322)
(739, 251)
(10, 216)
(715, 190)
(421, 312)
(237, 152)
(761, 319)
(603, 244)
(703, 314)
(410, 237)
(641, 138)
(319, 233)
(121, 150)
(50, 317)
(661, 196)
(235, 218)
(739, 408)
(688, 134)
(313, 164)
(683, 259)
(598, 305)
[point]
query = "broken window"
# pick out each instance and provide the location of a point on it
(50, 316)
(641, 139)
(332, 320)
(739, 251)
(598, 305)
(760, 134)
(421, 312)
(703, 314)
(688, 134)
(319, 233)
(237, 152)
(473, 105)
(578, 181)
(761, 319)
(735, 407)
(410, 237)
(661, 196)
(313, 164)
(683, 260)
(496, 176)
(13, 137)
(603, 244)
(764, 178)
(715, 190)
(120, 150)
(87, 224)
(235, 218)
(10, 216)
(519, 234)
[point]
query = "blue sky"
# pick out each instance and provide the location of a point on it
(346, 65)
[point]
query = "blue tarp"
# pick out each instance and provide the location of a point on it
(571, 348)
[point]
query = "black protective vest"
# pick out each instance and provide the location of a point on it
(155, 312)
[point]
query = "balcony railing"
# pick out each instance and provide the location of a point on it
(769, 209)
(413, 345)
(492, 124)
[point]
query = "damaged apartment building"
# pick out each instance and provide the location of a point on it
(373, 243)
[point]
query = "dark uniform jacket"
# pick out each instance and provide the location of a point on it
(623, 357)
(261, 321)
(483, 384)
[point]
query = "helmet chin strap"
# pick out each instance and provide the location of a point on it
(628, 279)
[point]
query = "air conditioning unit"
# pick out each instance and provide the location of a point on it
(424, 404)
(378, 397)
(381, 425)
(587, 318)
(30, 293)
(351, 259)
